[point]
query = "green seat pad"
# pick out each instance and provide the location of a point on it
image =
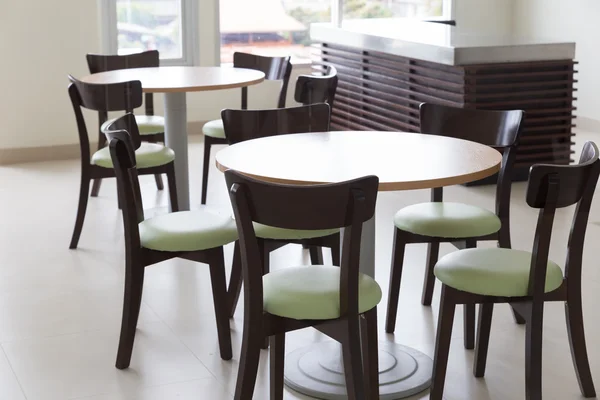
(147, 124)
(447, 220)
(214, 129)
(313, 292)
(187, 231)
(148, 155)
(150, 124)
(271, 232)
(492, 272)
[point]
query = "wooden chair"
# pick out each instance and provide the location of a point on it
(275, 69)
(461, 224)
(313, 89)
(193, 235)
(328, 298)
(152, 158)
(523, 279)
(242, 125)
(151, 127)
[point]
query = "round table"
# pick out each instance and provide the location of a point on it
(402, 161)
(175, 82)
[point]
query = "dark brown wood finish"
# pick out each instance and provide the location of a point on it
(137, 258)
(241, 125)
(378, 91)
(499, 129)
(103, 99)
(102, 63)
(346, 204)
(550, 187)
(312, 89)
(275, 69)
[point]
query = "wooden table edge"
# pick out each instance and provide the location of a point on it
(204, 88)
(391, 186)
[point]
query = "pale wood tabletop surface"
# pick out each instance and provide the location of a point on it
(402, 161)
(181, 79)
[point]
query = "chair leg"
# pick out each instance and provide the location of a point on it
(316, 255)
(574, 316)
(219, 289)
(132, 300)
(370, 354)
(533, 352)
(469, 326)
(483, 338)
(205, 167)
(469, 313)
(172, 187)
(235, 280)
(519, 320)
(96, 187)
(276, 365)
(159, 182)
(250, 354)
(84, 192)
(442, 343)
(395, 280)
(266, 251)
(433, 251)
(335, 250)
(351, 355)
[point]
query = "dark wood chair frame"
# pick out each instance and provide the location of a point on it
(312, 89)
(137, 258)
(346, 204)
(550, 187)
(242, 125)
(105, 98)
(498, 129)
(102, 63)
(275, 69)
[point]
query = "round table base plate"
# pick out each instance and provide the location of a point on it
(316, 371)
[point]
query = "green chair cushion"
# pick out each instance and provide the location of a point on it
(214, 129)
(271, 232)
(493, 272)
(447, 220)
(147, 156)
(187, 231)
(313, 292)
(147, 124)
(150, 124)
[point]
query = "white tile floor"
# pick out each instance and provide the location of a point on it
(60, 310)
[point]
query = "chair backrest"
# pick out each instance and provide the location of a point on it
(498, 129)
(102, 98)
(346, 204)
(274, 68)
(123, 158)
(147, 59)
(241, 125)
(557, 186)
(311, 89)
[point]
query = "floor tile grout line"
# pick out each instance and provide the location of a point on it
(13, 371)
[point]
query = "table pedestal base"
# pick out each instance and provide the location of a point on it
(317, 371)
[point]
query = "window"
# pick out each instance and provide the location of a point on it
(169, 26)
(282, 27)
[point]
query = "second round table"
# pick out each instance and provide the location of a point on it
(402, 161)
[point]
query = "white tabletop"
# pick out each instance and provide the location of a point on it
(401, 160)
(181, 79)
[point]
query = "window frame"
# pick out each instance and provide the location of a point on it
(189, 32)
(448, 14)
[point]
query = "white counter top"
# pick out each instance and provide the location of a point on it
(439, 43)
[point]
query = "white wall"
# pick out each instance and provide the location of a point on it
(486, 17)
(42, 41)
(576, 21)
